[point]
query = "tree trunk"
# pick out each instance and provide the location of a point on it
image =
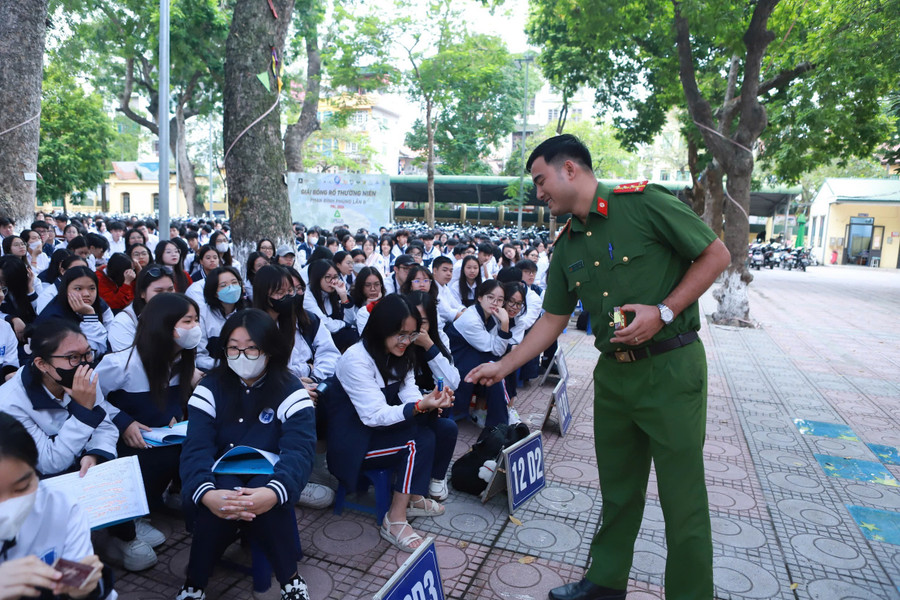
(187, 180)
(297, 133)
(254, 163)
(713, 198)
(734, 304)
(429, 127)
(22, 26)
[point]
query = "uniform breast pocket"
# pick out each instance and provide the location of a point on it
(576, 280)
(628, 257)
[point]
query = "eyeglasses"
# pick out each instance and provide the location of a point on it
(159, 271)
(76, 359)
(373, 285)
(140, 254)
(275, 296)
(422, 281)
(233, 352)
(404, 338)
(494, 299)
(516, 305)
(330, 278)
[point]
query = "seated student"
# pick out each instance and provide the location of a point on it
(449, 308)
(279, 292)
(401, 267)
(481, 335)
(97, 246)
(115, 281)
(327, 298)
(206, 259)
(251, 400)
(534, 299)
(517, 308)
(383, 421)
(168, 254)
(55, 397)
(150, 384)
(140, 256)
(79, 303)
(53, 271)
(367, 291)
(219, 241)
(38, 260)
(343, 262)
(39, 525)
(51, 290)
(150, 282)
(19, 299)
(255, 262)
(223, 293)
(468, 283)
(420, 279)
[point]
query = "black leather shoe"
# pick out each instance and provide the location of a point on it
(585, 590)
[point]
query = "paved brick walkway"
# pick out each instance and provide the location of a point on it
(783, 495)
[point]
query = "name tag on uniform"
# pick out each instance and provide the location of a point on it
(575, 266)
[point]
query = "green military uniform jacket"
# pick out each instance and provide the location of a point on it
(635, 247)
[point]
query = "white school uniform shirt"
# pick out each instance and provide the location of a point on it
(362, 317)
(211, 323)
(490, 269)
(362, 382)
(448, 305)
(533, 303)
(116, 246)
(123, 329)
(543, 264)
(471, 327)
(377, 261)
(55, 528)
(333, 325)
(454, 290)
(441, 366)
(46, 296)
(324, 355)
(9, 345)
(195, 291)
(61, 436)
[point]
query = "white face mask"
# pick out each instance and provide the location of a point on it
(247, 368)
(357, 267)
(34, 245)
(222, 248)
(312, 240)
(13, 513)
(188, 338)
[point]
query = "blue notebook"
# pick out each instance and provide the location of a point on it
(245, 460)
(166, 436)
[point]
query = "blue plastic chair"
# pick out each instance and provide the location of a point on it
(260, 568)
(382, 480)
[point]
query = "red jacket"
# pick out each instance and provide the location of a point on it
(117, 297)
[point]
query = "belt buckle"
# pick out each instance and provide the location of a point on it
(624, 356)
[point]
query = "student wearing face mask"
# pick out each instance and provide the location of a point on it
(150, 384)
(279, 292)
(39, 525)
(223, 294)
(56, 397)
(328, 298)
(251, 399)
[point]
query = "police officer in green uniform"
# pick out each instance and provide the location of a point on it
(639, 248)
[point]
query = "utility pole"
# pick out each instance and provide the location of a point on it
(163, 120)
(525, 60)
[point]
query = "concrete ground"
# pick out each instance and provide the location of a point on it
(802, 471)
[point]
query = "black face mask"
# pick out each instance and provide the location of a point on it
(283, 306)
(67, 376)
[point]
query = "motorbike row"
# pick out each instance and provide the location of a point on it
(777, 255)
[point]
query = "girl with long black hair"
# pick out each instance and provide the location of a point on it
(251, 399)
(150, 384)
(115, 280)
(327, 298)
(79, 302)
(20, 297)
(378, 419)
(52, 291)
(367, 290)
(223, 295)
(169, 254)
(150, 282)
(469, 281)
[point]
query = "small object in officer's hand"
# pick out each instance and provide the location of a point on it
(74, 574)
(618, 317)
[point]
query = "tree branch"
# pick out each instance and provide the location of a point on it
(756, 39)
(698, 106)
(125, 100)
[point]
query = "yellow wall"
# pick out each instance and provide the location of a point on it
(884, 215)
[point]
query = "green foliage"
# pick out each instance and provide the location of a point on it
(341, 148)
(126, 140)
(75, 137)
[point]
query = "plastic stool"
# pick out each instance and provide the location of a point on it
(381, 479)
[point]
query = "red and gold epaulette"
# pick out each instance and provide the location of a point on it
(631, 188)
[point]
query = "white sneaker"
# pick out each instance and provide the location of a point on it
(148, 533)
(189, 593)
(295, 589)
(132, 556)
(514, 418)
(437, 489)
(315, 495)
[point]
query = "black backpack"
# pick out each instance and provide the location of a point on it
(464, 474)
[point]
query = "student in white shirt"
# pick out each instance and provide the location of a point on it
(39, 525)
(378, 419)
(469, 280)
(449, 308)
(223, 295)
(149, 283)
(367, 291)
(327, 298)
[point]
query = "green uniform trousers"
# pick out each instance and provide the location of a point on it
(653, 409)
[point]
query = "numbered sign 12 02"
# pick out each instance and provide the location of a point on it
(417, 579)
(524, 470)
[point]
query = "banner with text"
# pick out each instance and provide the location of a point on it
(329, 199)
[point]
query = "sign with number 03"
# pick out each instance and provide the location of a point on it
(417, 579)
(524, 470)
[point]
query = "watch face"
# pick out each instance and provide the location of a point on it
(666, 314)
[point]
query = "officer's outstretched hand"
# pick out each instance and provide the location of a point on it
(486, 374)
(644, 325)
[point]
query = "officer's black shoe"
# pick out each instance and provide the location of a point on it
(585, 590)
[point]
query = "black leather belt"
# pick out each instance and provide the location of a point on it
(682, 339)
